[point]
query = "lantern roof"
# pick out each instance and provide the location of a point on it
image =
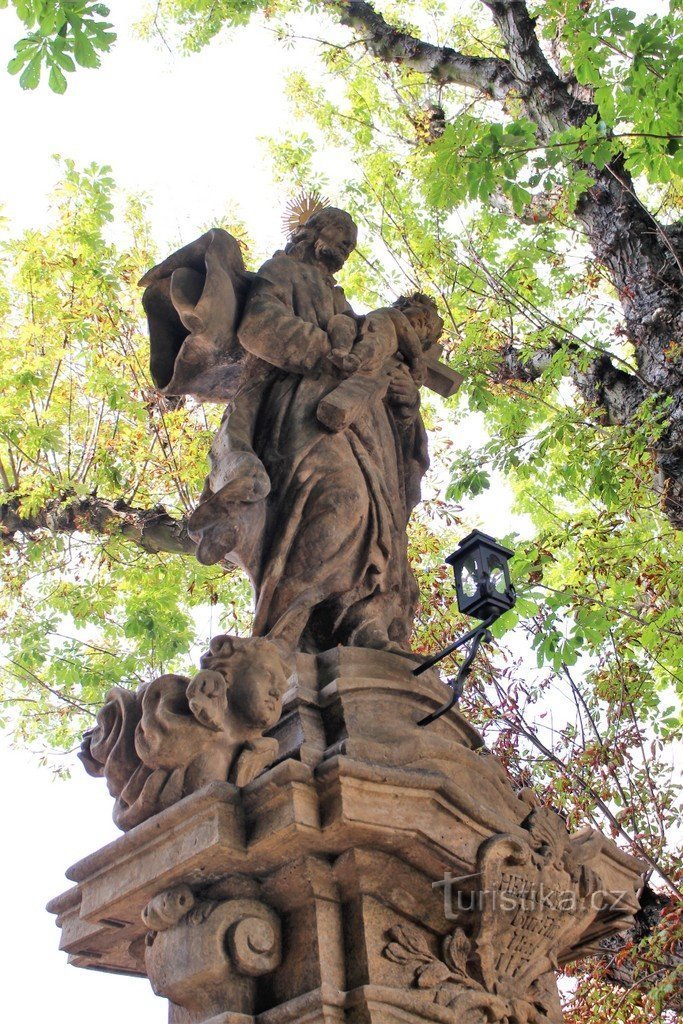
(472, 540)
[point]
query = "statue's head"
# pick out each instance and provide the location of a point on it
(328, 237)
(255, 677)
(167, 908)
(422, 313)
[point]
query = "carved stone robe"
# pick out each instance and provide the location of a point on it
(331, 566)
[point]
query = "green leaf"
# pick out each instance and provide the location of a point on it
(84, 52)
(31, 74)
(56, 80)
(16, 63)
(47, 21)
(63, 59)
(102, 39)
(29, 43)
(520, 196)
(28, 11)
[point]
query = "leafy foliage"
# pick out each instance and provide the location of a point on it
(196, 24)
(79, 417)
(634, 67)
(60, 35)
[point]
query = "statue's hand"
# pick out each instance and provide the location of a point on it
(376, 343)
(342, 331)
(413, 355)
(254, 758)
(403, 393)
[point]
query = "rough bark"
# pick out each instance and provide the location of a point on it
(647, 274)
(623, 965)
(489, 75)
(613, 392)
(154, 529)
(515, 366)
(643, 258)
(637, 252)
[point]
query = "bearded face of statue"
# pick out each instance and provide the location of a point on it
(335, 242)
(328, 238)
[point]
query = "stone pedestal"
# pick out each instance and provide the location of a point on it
(316, 893)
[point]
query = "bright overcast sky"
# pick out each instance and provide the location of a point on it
(185, 131)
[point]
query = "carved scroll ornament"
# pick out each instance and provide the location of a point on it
(198, 949)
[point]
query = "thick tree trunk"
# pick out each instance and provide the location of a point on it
(644, 265)
(643, 258)
(624, 965)
(637, 252)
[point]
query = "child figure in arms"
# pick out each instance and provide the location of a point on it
(370, 350)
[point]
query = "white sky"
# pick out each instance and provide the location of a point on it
(182, 129)
(47, 826)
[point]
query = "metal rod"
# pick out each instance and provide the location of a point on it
(454, 646)
(457, 686)
(477, 636)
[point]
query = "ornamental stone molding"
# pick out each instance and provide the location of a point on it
(374, 873)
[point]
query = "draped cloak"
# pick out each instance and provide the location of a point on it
(331, 564)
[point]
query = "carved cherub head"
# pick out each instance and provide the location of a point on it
(422, 314)
(328, 237)
(168, 907)
(255, 680)
(175, 735)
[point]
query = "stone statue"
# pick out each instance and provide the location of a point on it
(297, 870)
(313, 474)
(318, 461)
(406, 329)
(175, 734)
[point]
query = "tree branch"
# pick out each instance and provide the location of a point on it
(490, 75)
(515, 366)
(616, 392)
(151, 529)
(548, 100)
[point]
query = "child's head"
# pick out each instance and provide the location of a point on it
(422, 314)
(255, 675)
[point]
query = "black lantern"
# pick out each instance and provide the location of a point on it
(482, 577)
(483, 590)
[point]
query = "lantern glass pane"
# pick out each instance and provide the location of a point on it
(469, 577)
(497, 575)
